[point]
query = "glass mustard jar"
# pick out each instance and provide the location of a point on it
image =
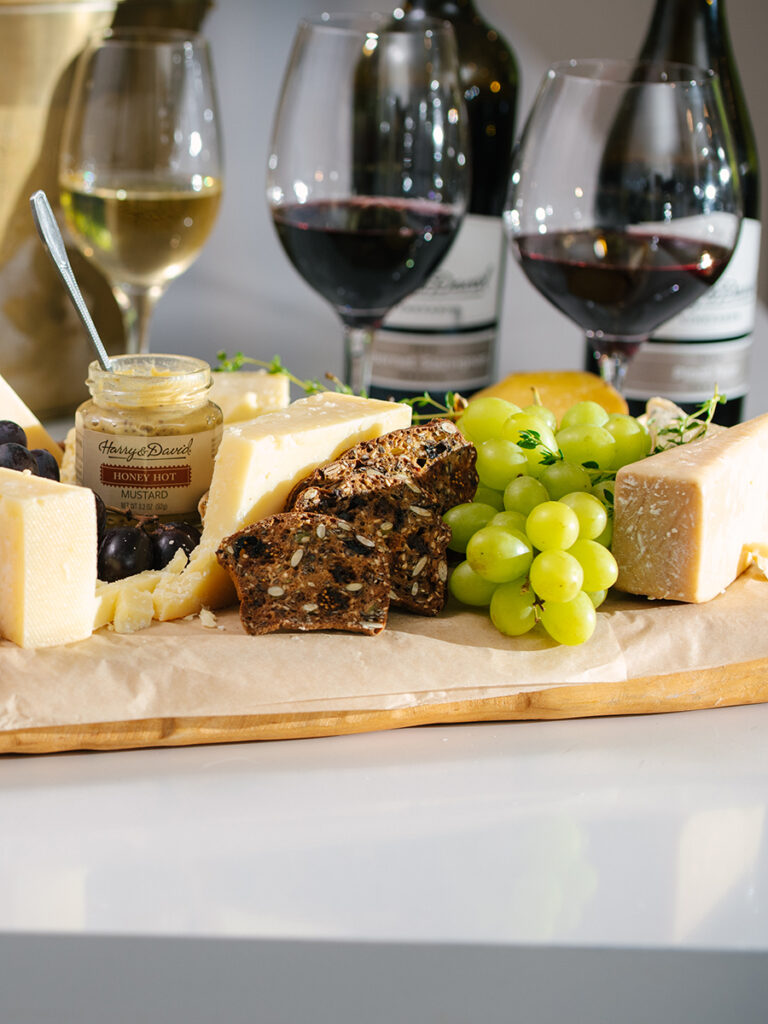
(147, 438)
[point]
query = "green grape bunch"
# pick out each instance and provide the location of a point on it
(536, 539)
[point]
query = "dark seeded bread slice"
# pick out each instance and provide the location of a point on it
(434, 456)
(396, 514)
(303, 571)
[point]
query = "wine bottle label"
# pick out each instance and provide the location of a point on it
(154, 475)
(727, 309)
(688, 371)
(444, 335)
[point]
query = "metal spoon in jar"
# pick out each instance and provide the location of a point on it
(49, 232)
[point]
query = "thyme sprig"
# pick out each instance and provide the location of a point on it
(688, 428)
(312, 386)
(450, 407)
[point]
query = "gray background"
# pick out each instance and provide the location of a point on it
(243, 294)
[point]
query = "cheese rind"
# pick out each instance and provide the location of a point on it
(13, 408)
(685, 519)
(244, 394)
(47, 560)
(257, 465)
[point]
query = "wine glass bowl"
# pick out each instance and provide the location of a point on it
(367, 176)
(624, 203)
(140, 164)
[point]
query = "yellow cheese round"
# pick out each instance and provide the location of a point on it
(558, 391)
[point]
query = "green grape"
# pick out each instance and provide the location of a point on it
(570, 622)
(513, 610)
(499, 461)
(604, 492)
(633, 442)
(597, 562)
(606, 537)
(466, 519)
(584, 414)
(590, 512)
(556, 575)
(587, 445)
(564, 477)
(484, 417)
(520, 421)
(523, 494)
(597, 597)
(510, 521)
(544, 414)
(499, 555)
(552, 525)
(469, 588)
(489, 496)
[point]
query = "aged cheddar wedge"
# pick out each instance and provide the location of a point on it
(47, 560)
(257, 465)
(13, 408)
(685, 519)
(244, 394)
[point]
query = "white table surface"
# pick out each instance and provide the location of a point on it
(604, 869)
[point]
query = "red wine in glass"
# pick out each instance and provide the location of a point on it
(615, 283)
(624, 204)
(367, 176)
(364, 254)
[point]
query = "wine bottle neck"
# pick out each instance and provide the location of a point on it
(690, 31)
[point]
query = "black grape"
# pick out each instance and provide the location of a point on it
(16, 456)
(169, 537)
(47, 466)
(10, 431)
(125, 551)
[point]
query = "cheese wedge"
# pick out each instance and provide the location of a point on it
(13, 408)
(686, 519)
(257, 465)
(47, 560)
(244, 394)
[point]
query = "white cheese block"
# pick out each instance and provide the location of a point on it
(686, 519)
(244, 394)
(13, 408)
(47, 560)
(256, 466)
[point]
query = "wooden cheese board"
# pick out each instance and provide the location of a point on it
(728, 685)
(180, 683)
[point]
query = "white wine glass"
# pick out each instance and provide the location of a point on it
(624, 205)
(140, 169)
(367, 178)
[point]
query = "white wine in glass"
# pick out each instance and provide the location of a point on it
(141, 166)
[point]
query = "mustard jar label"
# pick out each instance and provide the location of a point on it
(158, 475)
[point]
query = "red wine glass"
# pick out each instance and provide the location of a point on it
(367, 177)
(624, 203)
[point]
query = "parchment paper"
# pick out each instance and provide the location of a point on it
(178, 669)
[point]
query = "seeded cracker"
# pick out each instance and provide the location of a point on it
(400, 518)
(301, 571)
(434, 455)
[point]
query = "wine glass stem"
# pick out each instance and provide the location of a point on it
(136, 304)
(358, 342)
(613, 357)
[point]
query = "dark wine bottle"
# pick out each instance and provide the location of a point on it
(707, 344)
(443, 337)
